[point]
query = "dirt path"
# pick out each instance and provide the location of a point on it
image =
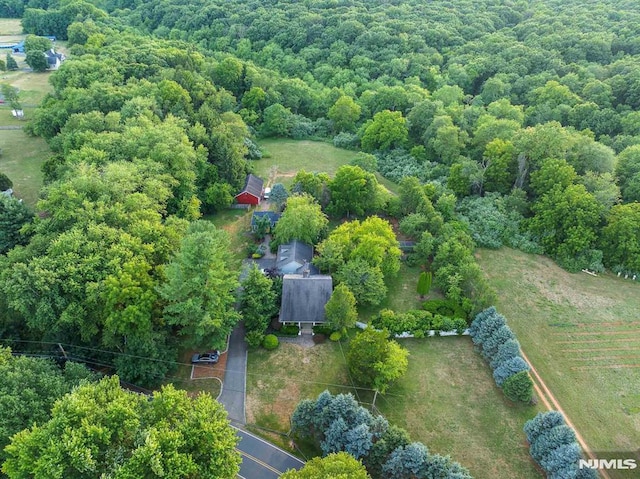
(549, 400)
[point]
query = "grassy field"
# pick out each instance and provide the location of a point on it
(581, 334)
(290, 156)
(447, 400)
(21, 158)
(287, 157)
(278, 380)
(10, 26)
(33, 86)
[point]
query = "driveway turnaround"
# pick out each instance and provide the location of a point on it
(235, 376)
(263, 460)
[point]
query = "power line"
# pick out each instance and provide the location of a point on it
(224, 370)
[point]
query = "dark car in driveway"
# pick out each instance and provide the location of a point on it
(210, 357)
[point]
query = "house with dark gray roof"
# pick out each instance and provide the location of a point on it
(54, 60)
(251, 194)
(294, 258)
(304, 298)
(257, 215)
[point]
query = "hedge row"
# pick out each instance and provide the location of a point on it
(416, 322)
(500, 347)
(553, 445)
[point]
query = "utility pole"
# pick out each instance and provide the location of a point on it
(64, 353)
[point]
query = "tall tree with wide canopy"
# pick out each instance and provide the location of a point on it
(200, 287)
(353, 192)
(29, 388)
(101, 430)
(375, 361)
(302, 220)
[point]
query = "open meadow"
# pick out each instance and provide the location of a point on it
(21, 159)
(287, 157)
(581, 333)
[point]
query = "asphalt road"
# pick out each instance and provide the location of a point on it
(260, 459)
(263, 460)
(235, 376)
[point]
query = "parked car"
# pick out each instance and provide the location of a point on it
(210, 357)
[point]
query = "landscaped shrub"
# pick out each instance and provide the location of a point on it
(508, 368)
(445, 307)
(519, 387)
(289, 330)
(254, 338)
(416, 322)
(270, 342)
(335, 336)
(322, 329)
(5, 182)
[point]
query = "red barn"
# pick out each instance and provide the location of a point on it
(251, 194)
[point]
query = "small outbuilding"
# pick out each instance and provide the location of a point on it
(251, 194)
(304, 298)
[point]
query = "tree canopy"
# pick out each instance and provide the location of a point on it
(102, 430)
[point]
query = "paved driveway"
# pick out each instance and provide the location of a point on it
(263, 460)
(235, 377)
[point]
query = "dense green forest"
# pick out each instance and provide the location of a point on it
(504, 122)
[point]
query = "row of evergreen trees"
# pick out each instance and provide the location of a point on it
(500, 347)
(339, 423)
(554, 446)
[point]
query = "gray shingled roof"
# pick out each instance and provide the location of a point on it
(253, 185)
(303, 299)
(292, 257)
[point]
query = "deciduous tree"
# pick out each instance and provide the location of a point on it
(344, 113)
(122, 434)
(257, 301)
(375, 361)
(334, 466)
(387, 130)
(200, 287)
(341, 309)
(302, 220)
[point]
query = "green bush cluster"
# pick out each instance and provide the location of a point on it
(270, 342)
(445, 307)
(417, 322)
(289, 330)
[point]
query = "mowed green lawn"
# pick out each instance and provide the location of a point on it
(290, 156)
(21, 159)
(582, 335)
(447, 400)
